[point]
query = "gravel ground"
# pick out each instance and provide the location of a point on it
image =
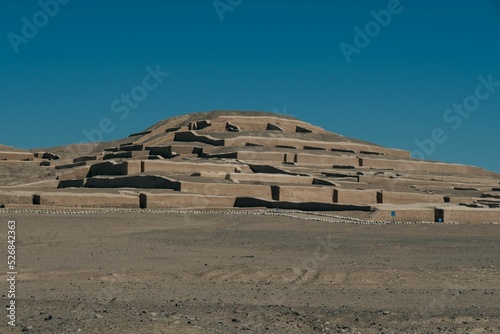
(220, 272)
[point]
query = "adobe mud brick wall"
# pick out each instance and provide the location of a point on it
(188, 136)
(274, 127)
(77, 173)
(387, 164)
(159, 139)
(304, 158)
(188, 156)
(63, 165)
(246, 202)
(384, 181)
(273, 142)
(418, 166)
(269, 169)
(163, 151)
(85, 158)
(342, 176)
(289, 157)
(271, 178)
(302, 129)
(169, 151)
(471, 215)
(266, 156)
(186, 149)
(96, 200)
(125, 154)
(349, 196)
(225, 189)
(314, 148)
(401, 181)
(483, 179)
(300, 144)
(140, 134)
(199, 125)
(359, 148)
(212, 175)
(20, 156)
(250, 125)
(132, 147)
(261, 121)
(47, 155)
(490, 195)
(113, 168)
(16, 197)
(139, 181)
(184, 201)
(149, 166)
(303, 194)
(231, 127)
(390, 197)
(72, 183)
(457, 199)
(404, 215)
(251, 156)
(227, 155)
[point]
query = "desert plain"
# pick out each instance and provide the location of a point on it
(128, 272)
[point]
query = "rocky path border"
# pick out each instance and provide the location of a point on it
(295, 214)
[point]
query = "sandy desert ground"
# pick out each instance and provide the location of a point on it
(157, 273)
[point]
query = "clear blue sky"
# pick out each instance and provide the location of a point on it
(286, 56)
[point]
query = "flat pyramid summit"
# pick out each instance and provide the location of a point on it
(231, 159)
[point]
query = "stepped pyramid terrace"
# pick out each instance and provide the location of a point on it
(251, 160)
